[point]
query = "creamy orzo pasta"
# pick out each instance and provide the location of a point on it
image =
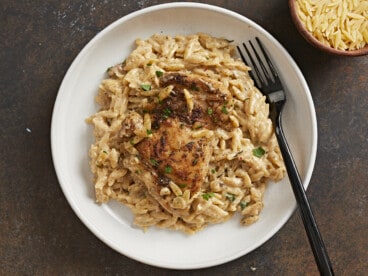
(183, 136)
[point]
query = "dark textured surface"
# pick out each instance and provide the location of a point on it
(39, 232)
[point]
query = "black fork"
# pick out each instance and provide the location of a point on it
(268, 82)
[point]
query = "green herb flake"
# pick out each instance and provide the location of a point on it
(259, 152)
(108, 69)
(159, 100)
(138, 171)
(146, 87)
(207, 196)
(154, 162)
(166, 113)
(168, 169)
(182, 186)
(243, 204)
(230, 197)
(149, 64)
(159, 73)
(213, 171)
(104, 151)
(224, 109)
(195, 162)
(131, 141)
(149, 131)
(209, 111)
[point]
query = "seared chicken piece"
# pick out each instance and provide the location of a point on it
(170, 153)
(210, 100)
(174, 155)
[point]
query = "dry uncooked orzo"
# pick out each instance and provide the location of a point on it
(341, 24)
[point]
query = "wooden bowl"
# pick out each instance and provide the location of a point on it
(315, 42)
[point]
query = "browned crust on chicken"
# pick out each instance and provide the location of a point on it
(210, 98)
(170, 153)
(175, 156)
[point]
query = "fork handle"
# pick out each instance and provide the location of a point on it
(315, 239)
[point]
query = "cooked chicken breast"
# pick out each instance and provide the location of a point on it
(171, 153)
(209, 98)
(175, 155)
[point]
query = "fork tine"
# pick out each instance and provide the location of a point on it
(245, 61)
(261, 64)
(264, 73)
(255, 66)
(269, 62)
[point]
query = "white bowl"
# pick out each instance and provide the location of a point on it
(71, 138)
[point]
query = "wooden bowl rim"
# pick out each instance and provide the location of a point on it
(315, 42)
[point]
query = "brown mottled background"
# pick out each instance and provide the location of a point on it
(39, 232)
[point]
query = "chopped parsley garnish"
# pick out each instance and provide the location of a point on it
(131, 141)
(159, 73)
(207, 196)
(224, 109)
(149, 64)
(149, 131)
(209, 111)
(166, 113)
(213, 171)
(195, 162)
(230, 197)
(182, 185)
(104, 151)
(154, 162)
(243, 204)
(168, 169)
(259, 152)
(146, 87)
(108, 69)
